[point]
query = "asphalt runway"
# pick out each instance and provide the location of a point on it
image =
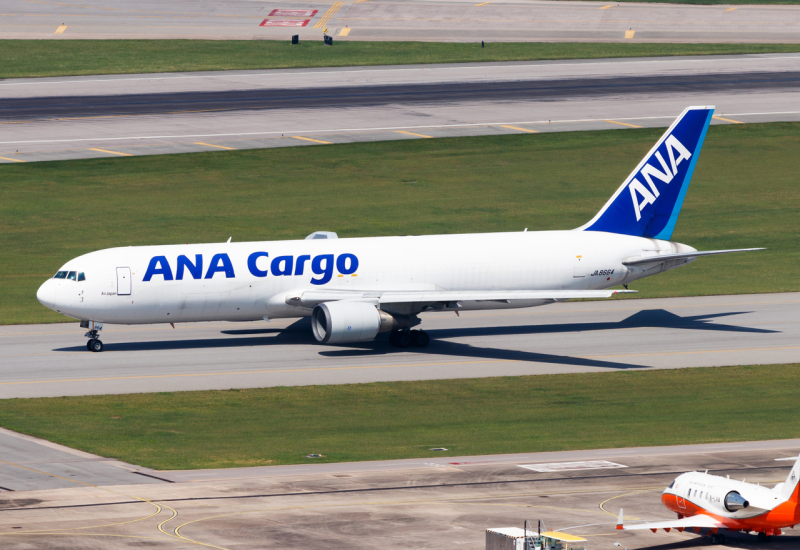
(420, 503)
(125, 115)
(602, 336)
(440, 20)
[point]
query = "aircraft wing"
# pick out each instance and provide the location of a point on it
(661, 258)
(700, 521)
(310, 298)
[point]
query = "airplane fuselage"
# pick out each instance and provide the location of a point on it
(696, 493)
(250, 280)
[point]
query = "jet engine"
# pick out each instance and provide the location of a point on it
(735, 502)
(345, 321)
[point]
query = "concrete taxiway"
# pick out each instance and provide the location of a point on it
(420, 503)
(602, 336)
(125, 115)
(439, 20)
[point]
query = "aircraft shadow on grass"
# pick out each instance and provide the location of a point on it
(299, 333)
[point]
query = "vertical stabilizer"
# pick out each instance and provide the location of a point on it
(789, 489)
(650, 199)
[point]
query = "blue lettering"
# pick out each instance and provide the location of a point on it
(159, 266)
(287, 262)
(220, 263)
(251, 264)
(326, 272)
(196, 268)
(301, 261)
(341, 262)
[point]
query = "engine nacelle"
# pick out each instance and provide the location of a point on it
(345, 321)
(735, 502)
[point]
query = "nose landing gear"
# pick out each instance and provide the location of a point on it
(94, 344)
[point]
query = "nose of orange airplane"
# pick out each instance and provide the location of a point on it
(47, 294)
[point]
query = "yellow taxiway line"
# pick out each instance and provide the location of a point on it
(329, 15)
(212, 145)
(622, 123)
(60, 29)
(412, 134)
(727, 120)
(520, 129)
(312, 139)
(13, 160)
(110, 152)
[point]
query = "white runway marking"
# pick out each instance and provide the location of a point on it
(566, 466)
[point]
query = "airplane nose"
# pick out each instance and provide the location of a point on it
(47, 294)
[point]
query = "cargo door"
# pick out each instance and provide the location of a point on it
(123, 281)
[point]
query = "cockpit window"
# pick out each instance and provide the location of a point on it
(81, 276)
(72, 275)
(61, 275)
(671, 485)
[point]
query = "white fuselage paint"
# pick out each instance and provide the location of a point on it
(489, 261)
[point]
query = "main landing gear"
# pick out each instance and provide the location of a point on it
(408, 338)
(717, 539)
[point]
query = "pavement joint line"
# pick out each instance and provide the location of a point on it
(520, 129)
(622, 123)
(358, 367)
(312, 139)
(375, 129)
(727, 120)
(444, 67)
(412, 134)
(110, 152)
(217, 146)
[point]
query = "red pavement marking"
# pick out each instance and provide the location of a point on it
(292, 13)
(285, 23)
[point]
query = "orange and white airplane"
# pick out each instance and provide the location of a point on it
(711, 505)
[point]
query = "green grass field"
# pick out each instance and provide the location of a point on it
(30, 58)
(744, 194)
(216, 429)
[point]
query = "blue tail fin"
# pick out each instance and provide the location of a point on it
(648, 203)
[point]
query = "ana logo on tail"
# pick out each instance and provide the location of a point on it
(649, 172)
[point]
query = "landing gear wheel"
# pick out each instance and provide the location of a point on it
(762, 537)
(400, 338)
(95, 345)
(403, 339)
(89, 344)
(721, 538)
(714, 539)
(420, 338)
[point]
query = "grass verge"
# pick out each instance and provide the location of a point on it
(36, 58)
(744, 194)
(381, 421)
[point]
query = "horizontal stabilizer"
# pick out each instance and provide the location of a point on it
(694, 522)
(660, 258)
(311, 298)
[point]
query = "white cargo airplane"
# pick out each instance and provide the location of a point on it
(711, 505)
(354, 289)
